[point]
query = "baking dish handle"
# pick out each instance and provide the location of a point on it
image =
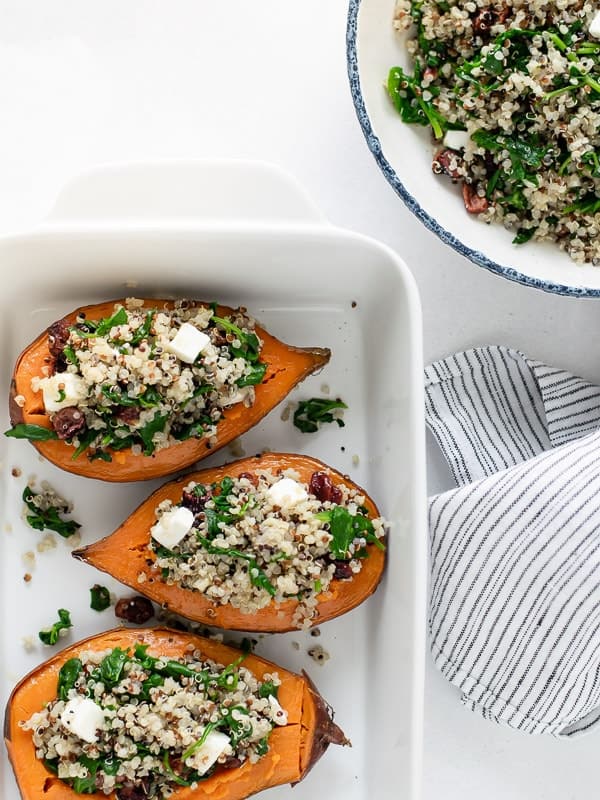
(223, 191)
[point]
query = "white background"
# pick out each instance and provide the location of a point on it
(83, 83)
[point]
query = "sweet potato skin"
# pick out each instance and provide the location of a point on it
(293, 749)
(287, 366)
(125, 555)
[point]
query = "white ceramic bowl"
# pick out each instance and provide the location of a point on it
(242, 233)
(404, 154)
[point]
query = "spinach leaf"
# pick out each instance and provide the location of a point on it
(151, 682)
(262, 747)
(35, 433)
(111, 667)
(100, 597)
(311, 413)
(105, 325)
(254, 375)
(144, 330)
(70, 355)
(68, 674)
(49, 519)
(268, 689)
(115, 395)
(588, 204)
(50, 636)
(249, 347)
(524, 235)
(85, 440)
(146, 433)
(87, 785)
(406, 94)
(344, 527)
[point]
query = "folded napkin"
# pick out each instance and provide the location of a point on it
(515, 549)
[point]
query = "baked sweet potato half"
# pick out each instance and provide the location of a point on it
(118, 749)
(132, 390)
(227, 546)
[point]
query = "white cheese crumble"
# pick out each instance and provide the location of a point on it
(173, 526)
(62, 390)
(188, 343)
(83, 717)
(594, 28)
(287, 492)
(215, 745)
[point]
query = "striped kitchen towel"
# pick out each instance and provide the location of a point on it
(515, 549)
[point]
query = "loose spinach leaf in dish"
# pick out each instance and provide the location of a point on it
(99, 597)
(50, 635)
(35, 433)
(311, 413)
(50, 518)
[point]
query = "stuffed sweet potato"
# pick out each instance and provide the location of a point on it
(135, 389)
(269, 543)
(132, 714)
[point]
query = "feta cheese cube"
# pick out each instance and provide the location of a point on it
(286, 492)
(82, 717)
(188, 343)
(173, 526)
(457, 140)
(215, 745)
(62, 390)
(594, 28)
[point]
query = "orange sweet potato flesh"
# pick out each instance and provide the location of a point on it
(293, 748)
(287, 366)
(125, 555)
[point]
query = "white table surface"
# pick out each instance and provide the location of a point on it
(84, 82)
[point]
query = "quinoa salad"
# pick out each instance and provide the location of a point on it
(511, 94)
(260, 538)
(129, 722)
(147, 378)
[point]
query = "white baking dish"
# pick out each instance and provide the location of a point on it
(244, 234)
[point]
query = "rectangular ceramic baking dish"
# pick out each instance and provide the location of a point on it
(241, 233)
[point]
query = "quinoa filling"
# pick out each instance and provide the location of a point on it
(143, 725)
(146, 378)
(511, 94)
(260, 538)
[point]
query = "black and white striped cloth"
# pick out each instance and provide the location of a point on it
(515, 549)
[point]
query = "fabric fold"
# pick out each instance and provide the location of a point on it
(515, 549)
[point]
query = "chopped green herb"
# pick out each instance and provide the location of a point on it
(312, 413)
(99, 597)
(268, 689)
(68, 674)
(156, 425)
(257, 576)
(50, 518)
(50, 635)
(35, 433)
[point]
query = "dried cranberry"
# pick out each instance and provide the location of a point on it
(483, 20)
(195, 502)
(68, 421)
(250, 476)
(473, 202)
(343, 571)
(323, 489)
(447, 162)
(135, 609)
(58, 336)
(231, 762)
(134, 791)
(128, 414)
